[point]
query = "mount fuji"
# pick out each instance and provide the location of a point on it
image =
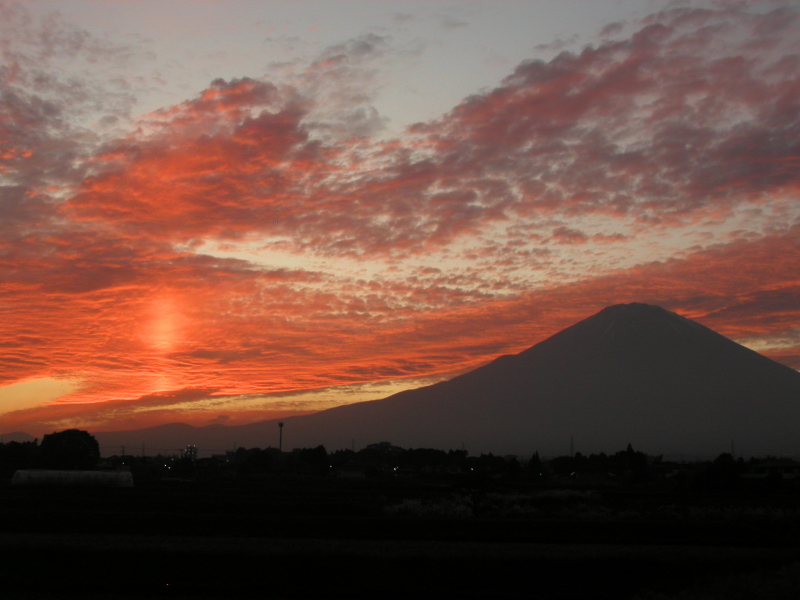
(632, 373)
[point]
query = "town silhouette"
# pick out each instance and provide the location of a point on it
(166, 513)
(311, 521)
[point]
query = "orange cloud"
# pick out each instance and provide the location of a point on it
(234, 247)
(303, 341)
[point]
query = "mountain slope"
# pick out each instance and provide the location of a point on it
(630, 374)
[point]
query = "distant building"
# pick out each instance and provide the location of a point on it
(350, 472)
(783, 468)
(190, 452)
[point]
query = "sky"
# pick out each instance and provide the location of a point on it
(225, 211)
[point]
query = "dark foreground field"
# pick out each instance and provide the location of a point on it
(299, 538)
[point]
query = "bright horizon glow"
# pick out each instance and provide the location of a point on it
(222, 212)
(25, 394)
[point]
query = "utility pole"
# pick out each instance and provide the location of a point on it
(280, 437)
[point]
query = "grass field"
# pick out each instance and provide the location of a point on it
(298, 538)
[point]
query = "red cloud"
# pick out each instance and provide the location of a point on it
(690, 119)
(675, 122)
(225, 338)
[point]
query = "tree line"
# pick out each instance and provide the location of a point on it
(75, 449)
(71, 449)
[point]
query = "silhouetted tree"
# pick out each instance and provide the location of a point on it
(17, 455)
(69, 449)
(420, 458)
(535, 468)
(314, 459)
(566, 465)
(256, 460)
(635, 463)
(456, 457)
(512, 467)
(380, 459)
(342, 457)
(723, 475)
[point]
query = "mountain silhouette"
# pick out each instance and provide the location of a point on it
(632, 373)
(15, 436)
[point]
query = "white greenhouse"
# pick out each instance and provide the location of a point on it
(78, 478)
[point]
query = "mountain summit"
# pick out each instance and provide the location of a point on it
(632, 373)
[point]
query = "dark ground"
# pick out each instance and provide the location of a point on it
(298, 538)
